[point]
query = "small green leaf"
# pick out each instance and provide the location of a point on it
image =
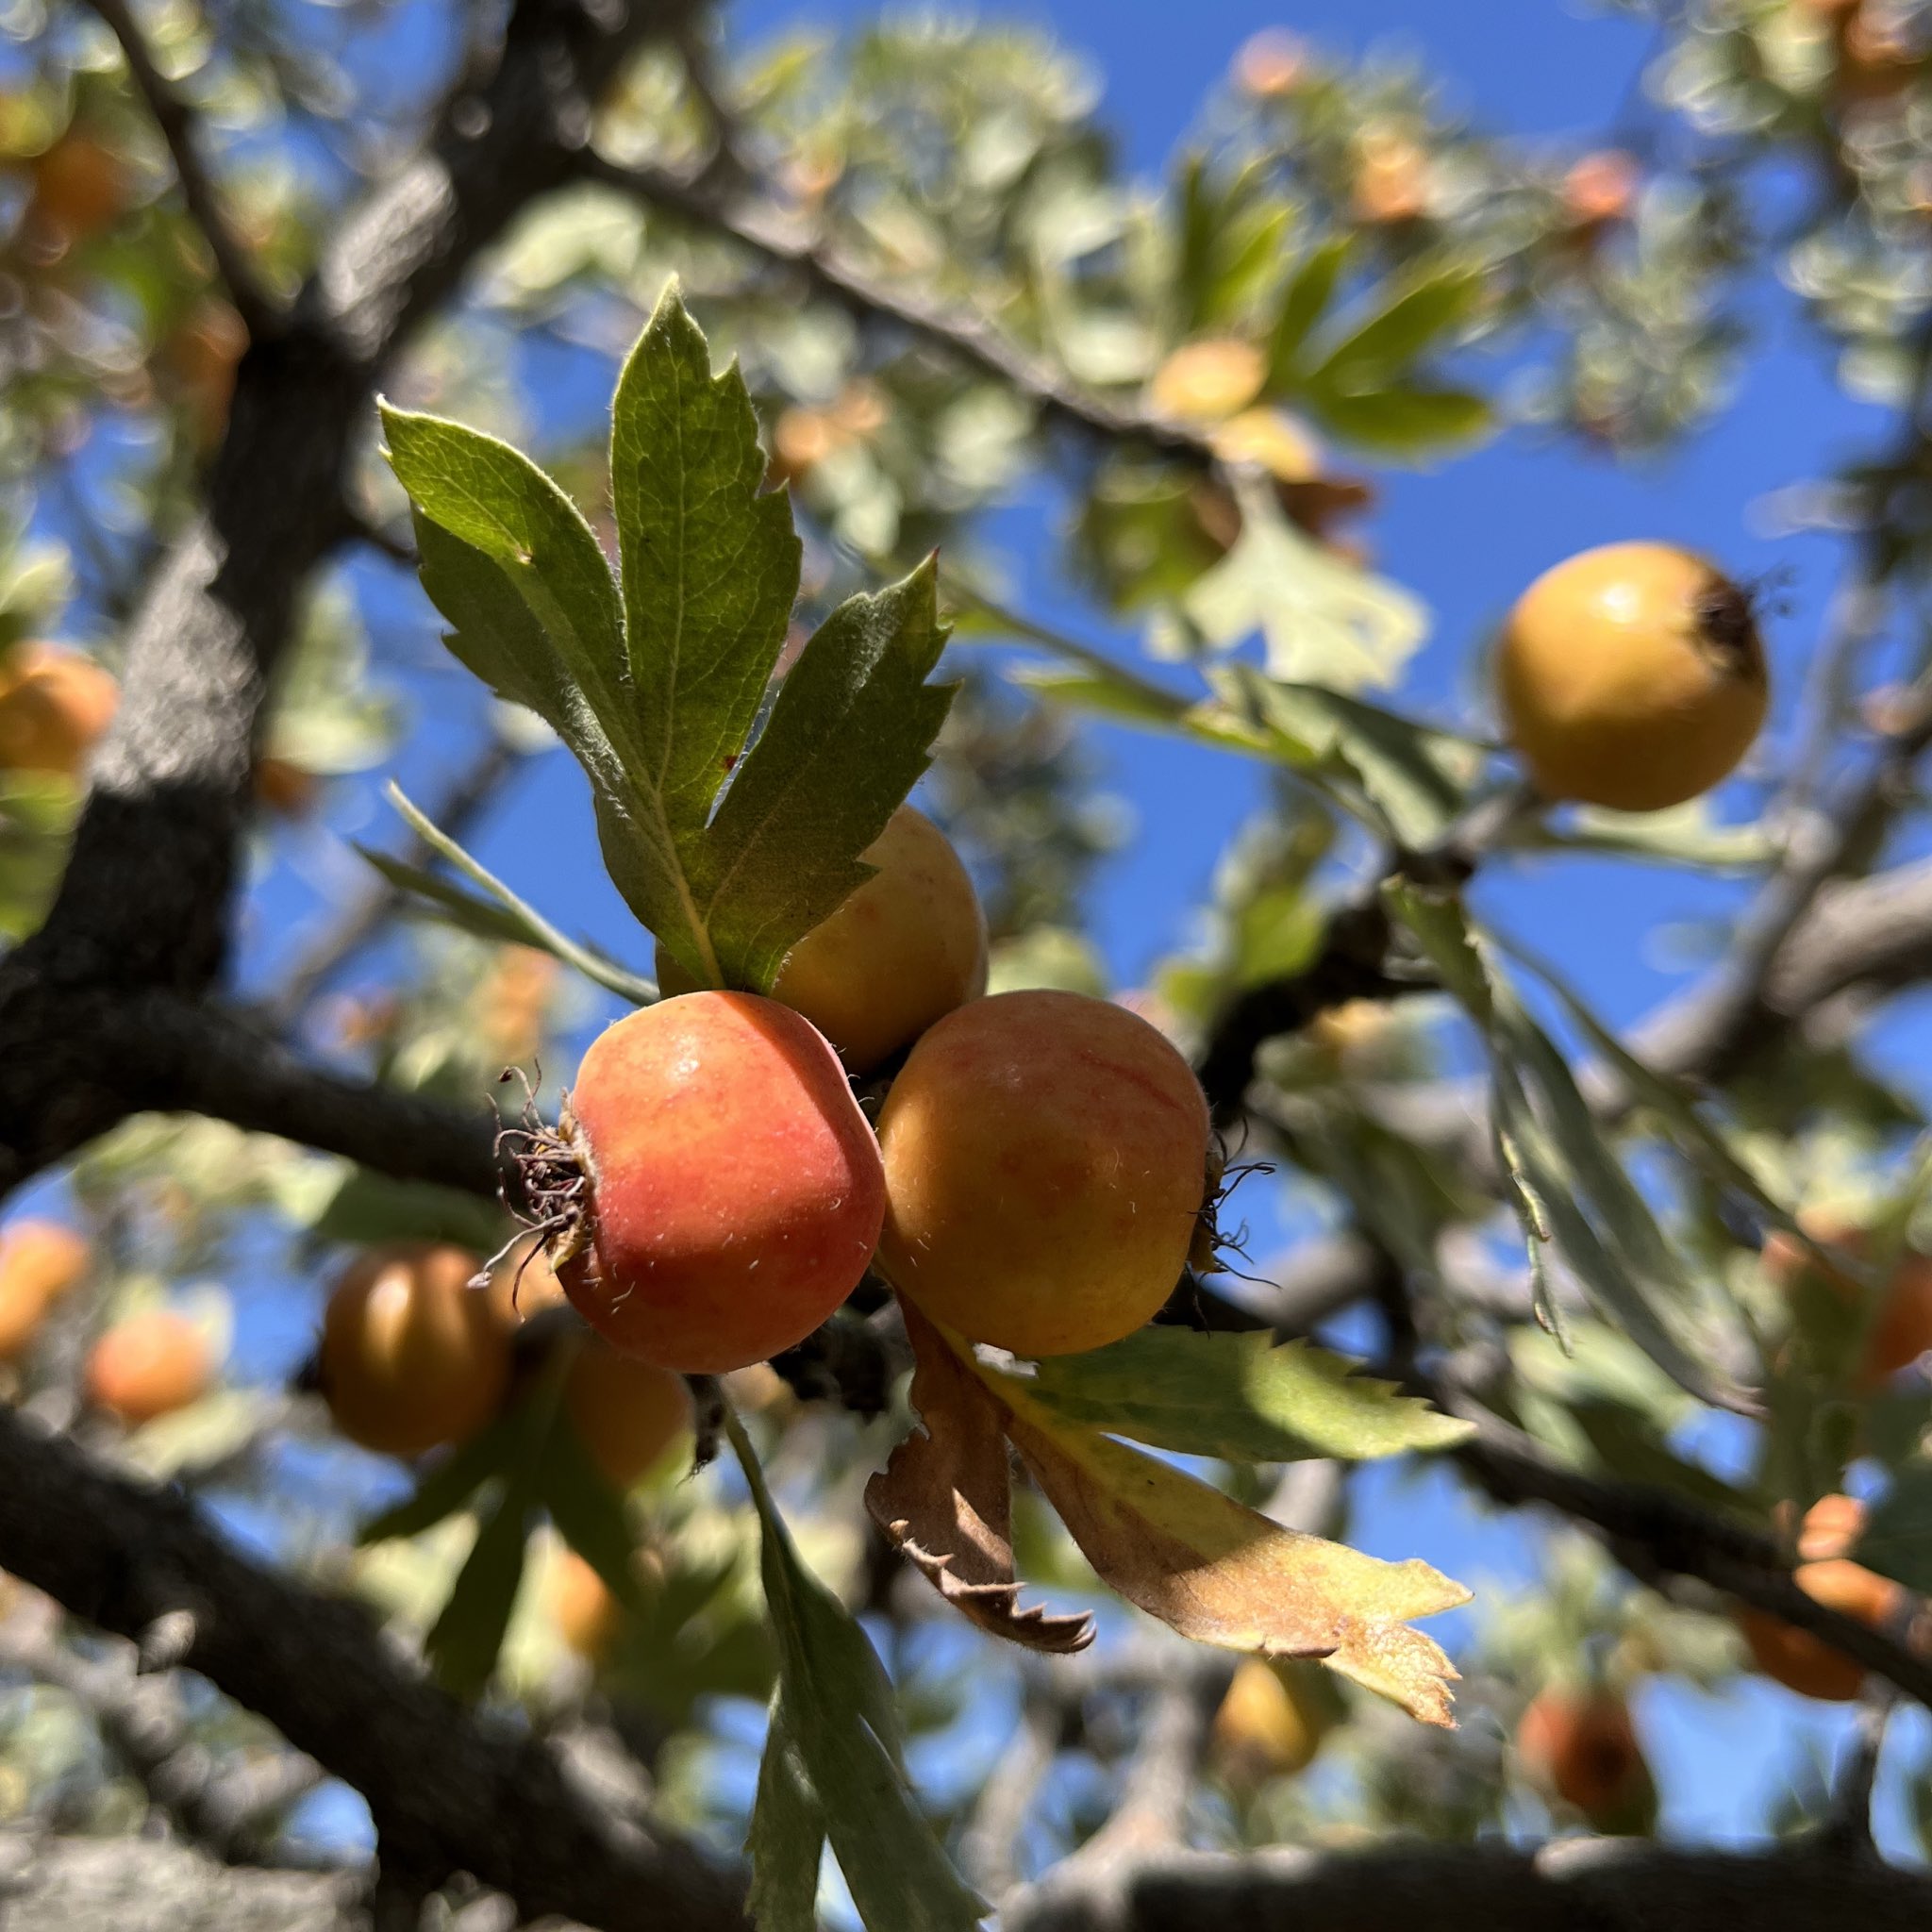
(448, 1484)
(501, 915)
(1304, 302)
(1243, 1398)
(1409, 422)
(839, 1709)
(1604, 1228)
(786, 1835)
(1411, 318)
(463, 1643)
(1419, 779)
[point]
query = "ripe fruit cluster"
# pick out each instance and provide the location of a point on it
(714, 1191)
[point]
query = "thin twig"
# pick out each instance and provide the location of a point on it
(259, 312)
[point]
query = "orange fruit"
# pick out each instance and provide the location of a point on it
(55, 705)
(148, 1365)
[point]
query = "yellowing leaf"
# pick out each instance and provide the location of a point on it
(1223, 1573)
(945, 1500)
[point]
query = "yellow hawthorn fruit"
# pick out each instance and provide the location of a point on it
(54, 704)
(627, 1412)
(1805, 1663)
(587, 1616)
(1208, 381)
(1270, 64)
(1275, 440)
(735, 1190)
(1392, 179)
(805, 436)
(1046, 1161)
(148, 1365)
(1902, 1330)
(1265, 1726)
(1583, 1747)
(81, 188)
(1631, 677)
(412, 1356)
(904, 950)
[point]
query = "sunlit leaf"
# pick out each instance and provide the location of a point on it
(1239, 1397)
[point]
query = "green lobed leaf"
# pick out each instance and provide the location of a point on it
(1243, 1398)
(711, 562)
(366, 1208)
(1323, 621)
(846, 741)
(840, 1712)
(656, 688)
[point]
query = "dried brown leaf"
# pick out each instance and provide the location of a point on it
(945, 1499)
(1225, 1574)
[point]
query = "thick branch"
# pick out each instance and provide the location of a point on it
(143, 905)
(460, 1793)
(1608, 1884)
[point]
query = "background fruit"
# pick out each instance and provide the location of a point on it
(1267, 1725)
(40, 1261)
(627, 1412)
(1805, 1663)
(588, 1617)
(1583, 1747)
(149, 1365)
(1631, 677)
(1208, 381)
(738, 1190)
(1045, 1161)
(54, 704)
(411, 1355)
(1901, 1331)
(905, 949)
(80, 186)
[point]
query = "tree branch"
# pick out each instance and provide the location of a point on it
(755, 222)
(458, 1792)
(1608, 1884)
(144, 903)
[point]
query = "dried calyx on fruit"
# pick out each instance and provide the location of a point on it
(712, 1190)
